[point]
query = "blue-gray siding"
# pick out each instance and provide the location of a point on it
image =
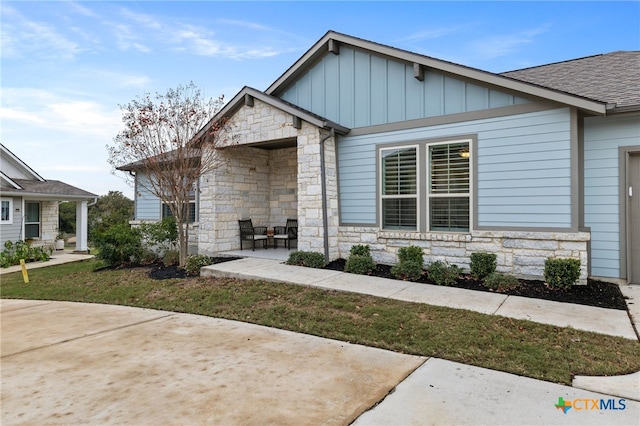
(602, 138)
(523, 175)
(13, 231)
(147, 204)
(357, 89)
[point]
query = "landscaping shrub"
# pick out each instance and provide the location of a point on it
(359, 261)
(13, 252)
(119, 245)
(357, 264)
(171, 257)
(148, 257)
(561, 273)
(483, 264)
(410, 266)
(411, 253)
(195, 262)
(500, 282)
(442, 273)
(160, 236)
(306, 258)
(408, 270)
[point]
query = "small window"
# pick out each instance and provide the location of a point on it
(166, 212)
(6, 213)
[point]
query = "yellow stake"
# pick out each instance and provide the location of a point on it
(25, 275)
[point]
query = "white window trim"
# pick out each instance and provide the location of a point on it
(10, 220)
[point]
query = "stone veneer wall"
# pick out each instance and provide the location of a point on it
(519, 253)
(48, 221)
(267, 186)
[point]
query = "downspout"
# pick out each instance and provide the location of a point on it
(325, 219)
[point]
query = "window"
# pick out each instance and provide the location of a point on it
(449, 187)
(32, 220)
(399, 188)
(444, 196)
(6, 212)
(166, 212)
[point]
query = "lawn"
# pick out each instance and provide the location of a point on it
(520, 347)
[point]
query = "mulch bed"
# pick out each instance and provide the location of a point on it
(160, 272)
(596, 293)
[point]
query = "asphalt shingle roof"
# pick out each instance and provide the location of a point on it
(612, 77)
(51, 187)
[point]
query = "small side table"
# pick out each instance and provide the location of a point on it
(270, 240)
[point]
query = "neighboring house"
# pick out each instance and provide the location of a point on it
(30, 204)
(368, 144)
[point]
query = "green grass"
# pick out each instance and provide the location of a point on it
(520, 347)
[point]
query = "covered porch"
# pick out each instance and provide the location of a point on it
(279, 164)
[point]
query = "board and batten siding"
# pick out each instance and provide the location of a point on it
(358, 89)
(602, 138)
(522, 176)
(147, 204)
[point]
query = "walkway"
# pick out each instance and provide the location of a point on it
(57, 258)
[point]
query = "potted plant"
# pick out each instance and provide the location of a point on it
(59, 243)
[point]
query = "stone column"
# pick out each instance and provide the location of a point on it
(81, 227)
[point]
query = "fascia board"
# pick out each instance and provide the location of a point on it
(21, 163)
(48, 197)
(9, 181)
(320, 48)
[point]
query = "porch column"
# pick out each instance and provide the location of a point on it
(81, 227)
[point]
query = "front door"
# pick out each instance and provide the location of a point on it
(633, 189)
(32, 220)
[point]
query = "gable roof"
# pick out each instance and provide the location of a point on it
(241, 97)
(331, 41)
(613, 78)
(6, 154)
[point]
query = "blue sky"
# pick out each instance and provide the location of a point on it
(66, 66)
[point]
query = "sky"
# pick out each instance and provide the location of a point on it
(67, 66)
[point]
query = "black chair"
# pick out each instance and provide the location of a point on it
(248, 232)
(286, 233)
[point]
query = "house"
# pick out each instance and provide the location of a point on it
(30, 204)
(369, 144)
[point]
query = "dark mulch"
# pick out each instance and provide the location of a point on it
(160, 272)
(595, 293)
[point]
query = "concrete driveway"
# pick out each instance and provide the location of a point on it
(77, 363)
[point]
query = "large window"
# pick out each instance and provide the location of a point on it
(399, 188)
(444, 197)
(32, 220)
(191, 214)
(6, 211)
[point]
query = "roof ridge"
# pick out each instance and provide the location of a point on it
(570, 60)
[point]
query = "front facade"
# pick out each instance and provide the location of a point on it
(367, 144)
(30, 204)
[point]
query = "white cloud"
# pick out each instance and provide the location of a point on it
(22, 37)
(127, 40)
(430, 34)
(501, 45)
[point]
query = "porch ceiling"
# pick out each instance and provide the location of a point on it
(274, 144)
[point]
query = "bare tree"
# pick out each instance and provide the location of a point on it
(166, 144)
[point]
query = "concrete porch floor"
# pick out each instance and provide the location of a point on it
(279, 253)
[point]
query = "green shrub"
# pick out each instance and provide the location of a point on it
(411, 253)
(195, 262)
(306, 258)
(408, 270)
(171, 257)
(483, 264)
(360, 250)
(119, 245)
(160, 236)
(13, 252)
(561, 273)
(148, 257)
(500, 282)
(357, 264)
(442, 273)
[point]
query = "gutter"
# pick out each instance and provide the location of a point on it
(323, 183)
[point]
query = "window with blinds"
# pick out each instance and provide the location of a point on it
(449, 187)
(399, 185)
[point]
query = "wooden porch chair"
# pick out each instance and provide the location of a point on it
(248, 232)
(286, 233)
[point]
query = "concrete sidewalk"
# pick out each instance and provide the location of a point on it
(57, 258)
(599, 320)
(76, 363)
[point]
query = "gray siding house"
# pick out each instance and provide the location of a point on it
(368, 144)
(30, 204)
